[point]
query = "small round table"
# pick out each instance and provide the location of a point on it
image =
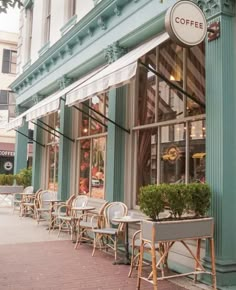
(126, 220)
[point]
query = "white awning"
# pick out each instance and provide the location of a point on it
(15, 123)
(52, 103)
(48, 105)
(117, 73)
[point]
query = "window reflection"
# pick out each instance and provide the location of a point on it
(172, 154)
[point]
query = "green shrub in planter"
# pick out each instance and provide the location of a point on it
(24, 177)
(6, 179)
(151, 200)
(177, 196)
(200, 197)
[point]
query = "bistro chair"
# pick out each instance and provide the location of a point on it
(18, 198)
(67, 218)
(90, 220)
(55, 212)
(44, 204)
(28, 204)
(108, 235)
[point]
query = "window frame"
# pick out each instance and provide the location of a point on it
(9, 61)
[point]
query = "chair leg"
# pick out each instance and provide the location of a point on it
(94, 244)
(140, 266)
(213, 266)
(115, 247)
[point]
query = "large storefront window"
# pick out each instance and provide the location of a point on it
(170, 146)
(92, 146)
(52, 152)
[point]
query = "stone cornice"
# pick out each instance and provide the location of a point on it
(214, 8)
(96, 19)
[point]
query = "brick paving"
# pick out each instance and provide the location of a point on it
(54, 264)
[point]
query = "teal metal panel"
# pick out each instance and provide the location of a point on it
(115, 146)
(20, 160)
(64, 152)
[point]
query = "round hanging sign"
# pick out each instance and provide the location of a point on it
(186, 24)
(8, 165)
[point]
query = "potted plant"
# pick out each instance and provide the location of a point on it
(187, 206)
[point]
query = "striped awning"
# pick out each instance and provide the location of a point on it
(116, 74)
(47, 106)
(16, 123)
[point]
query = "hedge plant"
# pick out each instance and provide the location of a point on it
(178, 198)
(24, 177)
(152, 200)
(7, 179)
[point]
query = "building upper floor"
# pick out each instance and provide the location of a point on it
(44, 22)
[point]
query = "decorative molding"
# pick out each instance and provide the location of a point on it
(64, 81)
(213, 8)
(117, 10)
(114, 52)
(19, 110)
(37, 98)
(90, 31)
(102, 23)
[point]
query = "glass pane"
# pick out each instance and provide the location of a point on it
(98, 163)
(97, 103)
(197, 151)
(84, 129)
(173, 154)
(146, 158)
(170, 65)
(3, 97)
(84, 166)
(51, 166)
(147, 91)
(54, 122)
(196, 80)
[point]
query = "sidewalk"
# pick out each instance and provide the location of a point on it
(31, 259)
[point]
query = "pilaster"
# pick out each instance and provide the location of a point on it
(38, 151)
(221, 142)
(115, 146)
(20, 160)
(64, 152)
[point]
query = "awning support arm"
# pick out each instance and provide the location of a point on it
(96, 120)
(72, 140)
(30, 138)
(108, 119)
(172, 84)
(45, 129)
(82, 111)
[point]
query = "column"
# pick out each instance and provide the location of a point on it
(64, 152)
(20, 160)
(38, 152)
(221, 139)
(115, 146)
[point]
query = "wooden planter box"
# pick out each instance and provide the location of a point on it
(165, 231)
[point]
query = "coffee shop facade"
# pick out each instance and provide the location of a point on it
(116, 104)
